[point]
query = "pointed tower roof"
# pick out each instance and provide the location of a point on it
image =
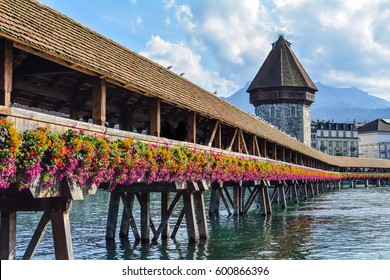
(281, 69)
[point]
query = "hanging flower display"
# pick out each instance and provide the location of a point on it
(44, 157)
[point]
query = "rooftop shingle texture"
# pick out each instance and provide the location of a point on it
(38, 26)
(281, 68)
(379, 125)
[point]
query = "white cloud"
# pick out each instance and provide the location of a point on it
(168, 4)
(184, 16)
(184, 60)
(133, 2)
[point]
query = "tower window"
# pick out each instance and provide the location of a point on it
(293, 111)
(272, 112)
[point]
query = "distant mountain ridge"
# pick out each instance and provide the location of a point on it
(331, 103)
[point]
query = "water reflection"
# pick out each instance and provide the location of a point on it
(333, 226)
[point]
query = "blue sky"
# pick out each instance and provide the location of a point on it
(220, 45)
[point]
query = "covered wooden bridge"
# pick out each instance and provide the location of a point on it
(58, 75)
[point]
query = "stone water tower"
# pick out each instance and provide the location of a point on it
(282, 92)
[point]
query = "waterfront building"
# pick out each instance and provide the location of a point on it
(374, 139)
(336, 139)
(282, 92)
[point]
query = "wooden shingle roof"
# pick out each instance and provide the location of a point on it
(37, 26)
(282, 68)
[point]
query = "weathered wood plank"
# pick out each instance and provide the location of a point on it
(112, 216)
(155, 117)
(189, 208)
(168, 214)
(37, 237)
(128, 217)
(212, 136)
(233, 140)
(214, 200)
(61, 235)
(178, 223)
(145, 217)
(191, 132)
(201, 215)
(165, 201)
(8, 236)
(99, 96)
(243, 143)
(6, 61)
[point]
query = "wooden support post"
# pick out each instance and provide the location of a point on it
(8, 236)
(112, 216)
(165, 201)
(378, 182)
(274, 150)
(61, 235)
(6, 63)
(145, 217)
(243, 143)
(218, 139)
(233, 140)
(366, 185)
(178, 223)
(305, 191)
(99, 101)
(191, 133)
(214, 200)
(155, 117)
(236, 200)
(267, 199)
(282, 195)
(263, 148)
(295, 195)
(37, 237)
(255, 146)
(74, 108)
(189, 208)
(283, 153)
(127, 216)
(213, 133)
(201, 215)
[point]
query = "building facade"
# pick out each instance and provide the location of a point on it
(336, 139)
(374, 139)
(282, 92)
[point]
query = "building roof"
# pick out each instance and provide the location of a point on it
(37, 26)
(379, 125)
(282, 68)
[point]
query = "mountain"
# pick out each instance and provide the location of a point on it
(331, 103)
(347, 104)
(241, 99)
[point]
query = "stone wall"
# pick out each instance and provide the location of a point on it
(294, 119)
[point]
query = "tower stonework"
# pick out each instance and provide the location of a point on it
(282, 92)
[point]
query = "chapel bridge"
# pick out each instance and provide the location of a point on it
(59, 75)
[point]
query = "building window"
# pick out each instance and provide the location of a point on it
(337, 134)
(272, 112)
(330, 133)
(330, 143)
(293, 111)
(344, 134)
(322, 133)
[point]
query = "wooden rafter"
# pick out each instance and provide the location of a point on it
(99, 96)
(211, 140)
(243, 143)
(233, 140)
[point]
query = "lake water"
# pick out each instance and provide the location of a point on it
(348, 224)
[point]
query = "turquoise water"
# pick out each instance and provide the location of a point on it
(347, 224)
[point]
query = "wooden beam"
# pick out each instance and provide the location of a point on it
(218, 139)
(189, 208)
(61, 235)
(145, 217)
(112, 215)
(283, 153)
(155, 117)
(191, 133)
(37, 237)
(201, 215)
(74, 108)
(233, 140)
(274, 148)
(6, 62)
(256, 149)
(211, 140)
(8, 236)
(99, 96)
(243, 143)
